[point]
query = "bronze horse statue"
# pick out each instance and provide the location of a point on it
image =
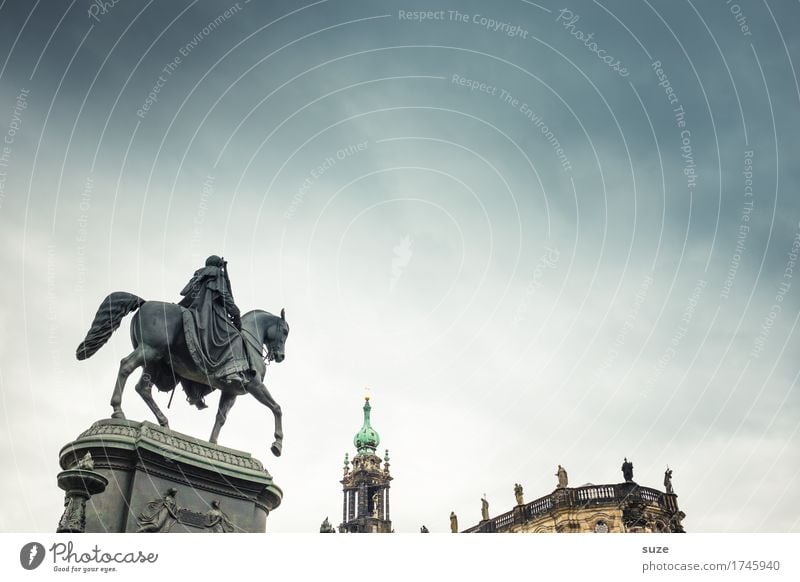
(160, 349)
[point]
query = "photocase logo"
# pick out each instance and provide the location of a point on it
(31, 555)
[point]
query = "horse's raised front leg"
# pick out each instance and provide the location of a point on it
(226, 401)
(261, 394)
(126, 367)
(145, 389)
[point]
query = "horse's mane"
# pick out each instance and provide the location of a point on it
(257, 311)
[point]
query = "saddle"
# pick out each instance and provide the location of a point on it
(222, 357)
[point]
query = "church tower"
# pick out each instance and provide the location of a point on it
(366, 484)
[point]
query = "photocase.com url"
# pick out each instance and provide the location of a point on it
(729, 566)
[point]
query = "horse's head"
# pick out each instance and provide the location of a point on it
(268, 330)
(275, 338)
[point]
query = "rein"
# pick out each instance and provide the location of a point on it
(268, 358)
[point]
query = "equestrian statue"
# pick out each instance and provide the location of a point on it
(203, 342)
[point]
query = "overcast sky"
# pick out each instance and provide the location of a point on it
(539, 233)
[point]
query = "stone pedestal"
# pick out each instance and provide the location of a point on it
(160, 480)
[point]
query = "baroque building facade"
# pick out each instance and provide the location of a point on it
(625, 507)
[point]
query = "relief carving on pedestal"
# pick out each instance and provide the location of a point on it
(162, 514)
(74, 516)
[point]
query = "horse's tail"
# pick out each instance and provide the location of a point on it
(106, 321)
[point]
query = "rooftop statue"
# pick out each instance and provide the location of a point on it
(668, 481)
(518, 494)
(563, 479)
(627, 470)
(203, 342)
(484, 508)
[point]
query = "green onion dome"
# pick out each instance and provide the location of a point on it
(366, 440)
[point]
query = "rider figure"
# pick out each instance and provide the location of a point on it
(213, 329)
(210, 291)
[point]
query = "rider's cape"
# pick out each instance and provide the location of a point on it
(215, 344)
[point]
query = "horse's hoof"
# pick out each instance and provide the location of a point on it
(118, 414)
(276, 449)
